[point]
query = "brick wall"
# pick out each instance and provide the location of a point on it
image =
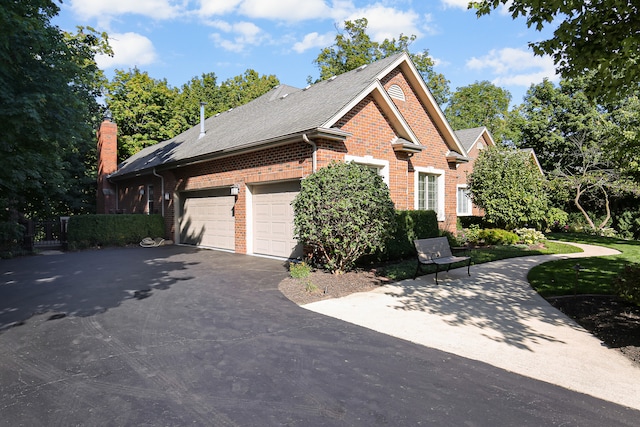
(107, 163)
(283, 163)
(434, 154)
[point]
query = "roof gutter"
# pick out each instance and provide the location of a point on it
(324, 133)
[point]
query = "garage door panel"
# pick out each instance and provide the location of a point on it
(208, 221)
(273, 220)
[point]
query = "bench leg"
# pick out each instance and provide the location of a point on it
(417, 270)
(437, 269)
(469, 268)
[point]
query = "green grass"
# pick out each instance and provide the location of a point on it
(407, 268)
(596, 273)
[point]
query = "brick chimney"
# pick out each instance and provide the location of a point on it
(107, 164)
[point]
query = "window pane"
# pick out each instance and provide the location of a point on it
(421, 192)
(464, 202)
(432, 192)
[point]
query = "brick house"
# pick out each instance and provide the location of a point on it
(228, 183)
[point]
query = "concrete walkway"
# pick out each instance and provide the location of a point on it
(495, 317)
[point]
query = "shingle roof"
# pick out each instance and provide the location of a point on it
(468, 137)
(283, 111)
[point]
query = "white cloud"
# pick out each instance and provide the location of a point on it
(314, 39)
(460, 4)
(387, 23)
(242, 34)
(129, 49)
(101, 9)
(285, 10)
(217, 7)
(515, 67)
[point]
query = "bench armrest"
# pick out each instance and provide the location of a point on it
(464, 249)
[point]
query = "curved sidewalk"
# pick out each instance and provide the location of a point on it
(495, 317)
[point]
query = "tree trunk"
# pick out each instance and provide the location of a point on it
(579, 193)
(607, 208)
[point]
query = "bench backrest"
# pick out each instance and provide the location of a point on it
(436, 247)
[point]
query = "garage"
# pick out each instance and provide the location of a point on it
(273, 220)
(208, 219)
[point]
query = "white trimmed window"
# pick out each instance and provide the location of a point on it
(463, 204)
(429, 190)
(381, 167)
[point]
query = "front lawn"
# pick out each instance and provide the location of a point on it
(406, 269)
(595, 274)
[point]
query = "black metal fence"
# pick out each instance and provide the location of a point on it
(46, 233)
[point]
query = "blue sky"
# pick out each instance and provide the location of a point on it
(179, 39)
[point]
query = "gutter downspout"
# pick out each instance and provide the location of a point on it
(314, 161)
(162, 193)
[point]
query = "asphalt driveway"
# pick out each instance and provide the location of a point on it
(180, 336)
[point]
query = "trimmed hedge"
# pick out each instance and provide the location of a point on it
(112, 230)
(410, 225)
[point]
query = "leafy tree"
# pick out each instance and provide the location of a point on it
(598, 36)
(149, 111)
(623, 136)
(593, 174)
(590, 150)
(199, 89)
(241, 89)
(343, 211)
(144, 109)
(353, 47)
(481, 104)
(510, 189)
(49, 81)
(551, 115)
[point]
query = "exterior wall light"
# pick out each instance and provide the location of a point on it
(235, 189)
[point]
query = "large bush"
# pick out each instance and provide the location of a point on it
(509, 187)
(410, 225)
(343, 211)
(11, 238)
(107, 230)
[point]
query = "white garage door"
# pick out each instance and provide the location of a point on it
(208, 219)
(273, 220)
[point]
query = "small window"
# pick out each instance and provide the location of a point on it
(429, 190)
(149, 199)
(396, 92)
(464, 205)
(381, 167)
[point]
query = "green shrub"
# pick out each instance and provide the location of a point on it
(556, 220)
(496, 236)
(11, 235)
(508, 187)
(112, 230)
(299, 270)
(529, 236)
(409, 225)
(628, 224)
(627, 283)
(470, 235)
(342, 212)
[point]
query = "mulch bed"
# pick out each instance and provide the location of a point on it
(614, 321)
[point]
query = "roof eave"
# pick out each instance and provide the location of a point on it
(324, 133)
